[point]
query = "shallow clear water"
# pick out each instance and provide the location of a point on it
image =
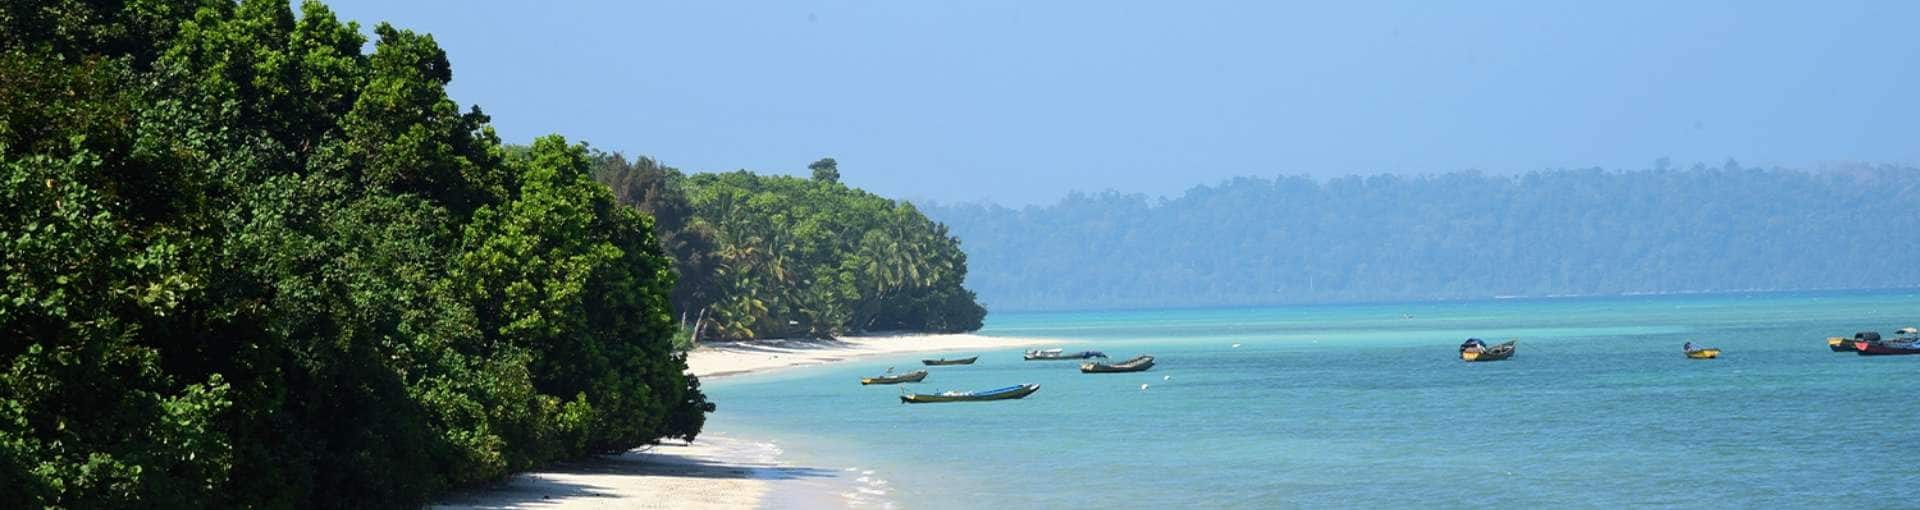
(1367, 405)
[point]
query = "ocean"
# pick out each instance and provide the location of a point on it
(1369, 406)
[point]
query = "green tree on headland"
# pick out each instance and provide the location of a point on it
(769, 256)
(825, 170)
(247, 264)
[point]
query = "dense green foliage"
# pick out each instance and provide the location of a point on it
(1461, 235)
(772, 256)
(246, 264)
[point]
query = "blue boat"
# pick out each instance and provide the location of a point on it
(1007, 393)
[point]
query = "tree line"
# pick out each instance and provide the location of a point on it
(1462, 235)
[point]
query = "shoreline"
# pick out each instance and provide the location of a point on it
(726, 359)
(718, 470)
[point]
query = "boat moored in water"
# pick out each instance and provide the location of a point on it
(1052, 354)
(1839, 344)
(1007, 393)
(1137, 364)
(944, 361)
(1868, 343)
(1478, 350)
(1700, 352)
(914, 376)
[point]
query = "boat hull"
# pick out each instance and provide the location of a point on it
(946, 362)
(915, 376)
(1838, 344)
(1138, 364)
(1704, 354)
(1882, 349)
(1009, 393)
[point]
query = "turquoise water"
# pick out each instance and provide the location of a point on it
(1367, 405)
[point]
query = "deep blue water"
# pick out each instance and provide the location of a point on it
(1367, 405)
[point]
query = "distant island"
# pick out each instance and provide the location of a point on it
(1461, 235)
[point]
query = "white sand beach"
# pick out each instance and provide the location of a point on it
(734, 358)
(717, 471)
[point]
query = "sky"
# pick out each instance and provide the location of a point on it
(1019, 103)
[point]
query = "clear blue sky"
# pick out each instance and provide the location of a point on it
(1019, 102)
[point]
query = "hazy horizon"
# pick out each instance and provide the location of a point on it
(1070, 194)
(917, 101)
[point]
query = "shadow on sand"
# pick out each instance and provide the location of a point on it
(593, 478)
(658, 463)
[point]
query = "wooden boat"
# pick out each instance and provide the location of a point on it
(1137, 364)
(1706, 353)
(1490, 353)
(914, 376)
(1052, 354)
(944, 361)
(1007, 393)
(1839, 344)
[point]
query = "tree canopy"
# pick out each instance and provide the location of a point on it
(248, 264)
(1453, 236)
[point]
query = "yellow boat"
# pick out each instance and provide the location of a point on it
(1703, 353)
(1838, 344)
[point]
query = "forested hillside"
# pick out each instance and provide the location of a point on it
(1459, 235)
(777, 256)
(247, 264)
